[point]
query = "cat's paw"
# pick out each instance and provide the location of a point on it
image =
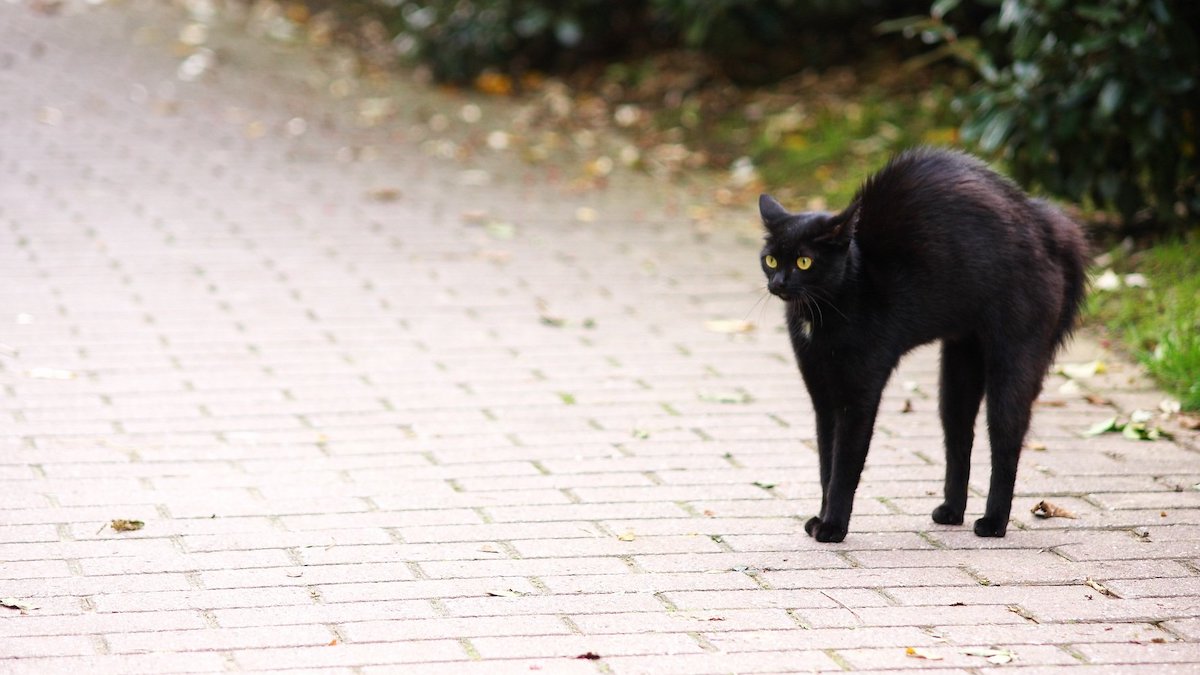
(827, 532)
(947, 515)
(991, 527)
(811, 526)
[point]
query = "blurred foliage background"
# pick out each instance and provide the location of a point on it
(1095, 101)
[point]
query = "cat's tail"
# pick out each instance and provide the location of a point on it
(1071, 249)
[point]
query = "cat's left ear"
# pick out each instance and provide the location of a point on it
(772, 212)
(841, 228)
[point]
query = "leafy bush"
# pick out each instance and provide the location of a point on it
(752, 39)
(1089, 100)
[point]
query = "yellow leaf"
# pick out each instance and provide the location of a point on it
(918, 653)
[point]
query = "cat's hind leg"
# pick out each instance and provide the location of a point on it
(1014, 379)
(959, 394)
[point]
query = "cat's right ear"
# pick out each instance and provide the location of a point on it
(772, 212)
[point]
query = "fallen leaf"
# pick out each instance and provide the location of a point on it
(494, 83)
(13, 603)
(1070, 388)
(1045, 509)
(627, 536)
(590, 656)
(384, 194)
(1036, 447)
(728, 326)
(1096, 399)
(1080, 371)
(294, 574)
(488, 548)
(1022, 612)
(765, 486)
(1136, 280)
(641, 434)
(908, 406)
(1108, 281)
(474, 216)
(1104, 590)
(494, 255)
(919, 653)
(1102, 426)
(725, 396)
(506, 593)
(996, 656)
(332, 643)
(498, 140)
(50, 116)
(122, 525)
(501, 230)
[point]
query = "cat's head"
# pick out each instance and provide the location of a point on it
(805, 254)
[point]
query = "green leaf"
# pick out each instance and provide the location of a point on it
(1134, 432)
(1101, 427)
(1109, 99)
(1101, 14)
(941, 8)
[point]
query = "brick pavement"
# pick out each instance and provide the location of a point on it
(357, 444)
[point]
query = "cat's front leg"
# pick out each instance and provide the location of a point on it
(825, 426)
(851, 440)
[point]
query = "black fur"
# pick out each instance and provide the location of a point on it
(935, 246)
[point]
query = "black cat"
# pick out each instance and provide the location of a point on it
(934, 246)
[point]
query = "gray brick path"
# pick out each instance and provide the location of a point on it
(368, 434)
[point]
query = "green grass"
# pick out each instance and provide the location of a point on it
(833, 147)
(1160, 324)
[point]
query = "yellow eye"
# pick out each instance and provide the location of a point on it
(771, 262)
(804, 262)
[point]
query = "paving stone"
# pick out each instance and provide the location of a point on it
(357, 446)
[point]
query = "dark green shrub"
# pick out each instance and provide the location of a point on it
(1088, 100)
(751, 39)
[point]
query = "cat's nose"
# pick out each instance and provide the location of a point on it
(775, 286)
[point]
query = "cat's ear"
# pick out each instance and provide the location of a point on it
(841, 228)
(772, 212)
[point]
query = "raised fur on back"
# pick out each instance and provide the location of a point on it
(935, 246)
